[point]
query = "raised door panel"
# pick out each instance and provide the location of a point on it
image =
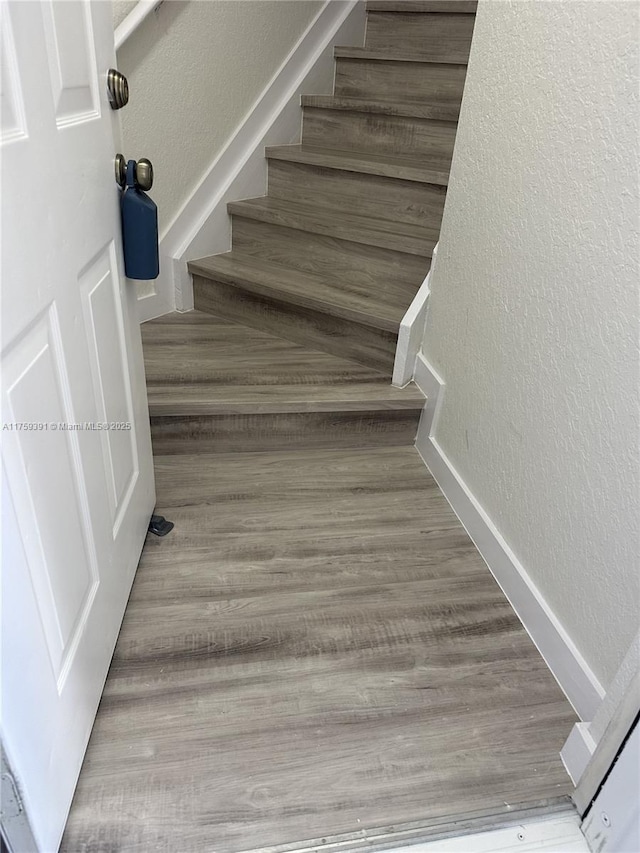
(104, 325)
(72, 63)
(42, 459)
(12, 119)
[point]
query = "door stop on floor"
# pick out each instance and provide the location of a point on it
(160, 526)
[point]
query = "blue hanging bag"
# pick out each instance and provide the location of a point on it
(139, 230)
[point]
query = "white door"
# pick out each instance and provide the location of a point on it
(76, 501)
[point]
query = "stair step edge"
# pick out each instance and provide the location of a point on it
(457, 7)
(261, 406)
(432, 111)
(344, 52)
(306, 219)
(387, 167)
(248, 278)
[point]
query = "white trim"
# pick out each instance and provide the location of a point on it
(411, 332)
(133, 20)
(615, 717)
(155, 301)
(202, 226)
(551, 834)
(577, 751)
(612, 824)
(571, 671)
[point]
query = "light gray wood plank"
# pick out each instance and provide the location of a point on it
(415, 109)
(350, 161)
(198, 364)
(400, 81)
(379, 134)
(350, 267)
(380, 198)
(316, 649)
(347, 299)
(449, 6)
(365, 344)
(284, 431)
(442, 37)
(343, 221)
(397, 54)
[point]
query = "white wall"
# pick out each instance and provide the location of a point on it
(121, 8)
(534, 313)
(195, 69)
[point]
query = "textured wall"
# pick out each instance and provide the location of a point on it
(195, 69)
(534, 314)
(121, 9)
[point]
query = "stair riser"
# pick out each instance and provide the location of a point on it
(461, 7)
(400, 81)
(437, 112)
(372, 195)
(363, 230)
(316, 330)
(288, 431)
(389, 167)
(445, 38)
(378, 134)
(368, 266)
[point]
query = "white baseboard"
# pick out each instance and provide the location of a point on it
(202, 226)
(577, 751)
(571, 671)
(154, 298)
(411, 331)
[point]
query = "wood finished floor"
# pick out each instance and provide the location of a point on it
(196, 363)
(316, 648)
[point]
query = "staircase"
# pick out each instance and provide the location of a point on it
(316, 657)
(294, 335)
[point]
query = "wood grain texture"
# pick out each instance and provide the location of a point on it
(198, 364)
(316, 648)
(400, 81)
(379, 134)
(415, 109)
(347, 298)
(345, 223)
(284, 431)
(378, 198)
(398, 54)
(342, 263)
(365, 344)
(449, 6)
(217, 386)
(442, 37)
(369, 164)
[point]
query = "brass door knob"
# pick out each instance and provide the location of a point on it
(118, 89)
(143, 172)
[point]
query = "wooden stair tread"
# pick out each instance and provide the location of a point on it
(400, 236)
(383, 309)
(371, 164)
(394, 56)
(414, 109)
(198, 364)
(464, 7)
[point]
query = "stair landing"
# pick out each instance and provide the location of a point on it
(216, 385)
